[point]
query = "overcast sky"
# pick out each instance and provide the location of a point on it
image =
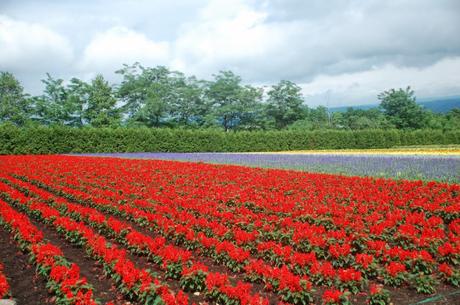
(340, 52)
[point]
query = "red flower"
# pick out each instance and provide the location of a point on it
(194, 268)
(395, 268)
(216, 280)
(332, 296)
(446, 269)
(4, 286)
(446, 249)
(337, 250)
(375, 289)
(350, 274)
(45, 253)
(327, 270)
(289, 281)
(364, 259)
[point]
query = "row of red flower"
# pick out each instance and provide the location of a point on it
(400, 227)
(193, 272)
(63, 277)
(136, 283)
(415, 260)
(176, 262)
(4, 286)
(337, 226)
(292, 288)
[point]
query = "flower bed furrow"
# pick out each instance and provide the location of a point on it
(135, 283)
(63, 277)
(349, 274)
(329, 273)
(329, 230)
(282, 280)
(4, 286)
(176, 262)
(314, 235)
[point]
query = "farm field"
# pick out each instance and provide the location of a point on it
(430, 164)
(117, 230)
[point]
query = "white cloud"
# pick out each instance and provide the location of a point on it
(26, 47)
(108, 50)
(227, 35)
(352, 48)
(439, 79)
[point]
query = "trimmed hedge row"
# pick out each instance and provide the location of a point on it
(52, 140)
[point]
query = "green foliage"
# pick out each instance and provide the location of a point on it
(14, 104)
(159, 97)
(284, 103)
(424, 283)
(232, 104)
(51, 107)
(76, 104)
(155, 97)
(378, 296)
(401, 108)
(59, 139)
(101, 111)
(193, 282)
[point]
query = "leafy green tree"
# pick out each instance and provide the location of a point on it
(452, 120)
(14, 103)
(62, 105)
(232, 104)
(144, 93)
(132, 88)
(153, 110)
(77, 102)
(363, 119)
(101, 111)
(189, 108)
(157, 96)
(50, 107)
(401, 108)
(284, 103)
(319, 117)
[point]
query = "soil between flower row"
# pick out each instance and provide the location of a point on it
(25, 285)
(403, 295)
(445, 295)
(104, 288)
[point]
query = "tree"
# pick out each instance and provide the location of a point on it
(364, 119)
(284, 103)
(154, 108)
(50, 108)
(319, 117)
(401, 108)
(101, 111)
(63, 105)
(189, 106)
(150, 95)
(453, 120)
(232, 104)
(77, 102)
(14, 103)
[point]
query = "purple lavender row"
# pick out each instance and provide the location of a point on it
(439, 168)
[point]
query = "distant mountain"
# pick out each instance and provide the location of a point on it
(440, 104)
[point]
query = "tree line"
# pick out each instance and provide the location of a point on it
(159, 97)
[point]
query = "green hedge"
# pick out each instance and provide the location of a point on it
(50, 140)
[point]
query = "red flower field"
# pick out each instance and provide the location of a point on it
(112, 231)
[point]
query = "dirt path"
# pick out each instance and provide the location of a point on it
(104, 288)
(27, 288)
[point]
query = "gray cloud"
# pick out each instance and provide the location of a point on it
(324, 46)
